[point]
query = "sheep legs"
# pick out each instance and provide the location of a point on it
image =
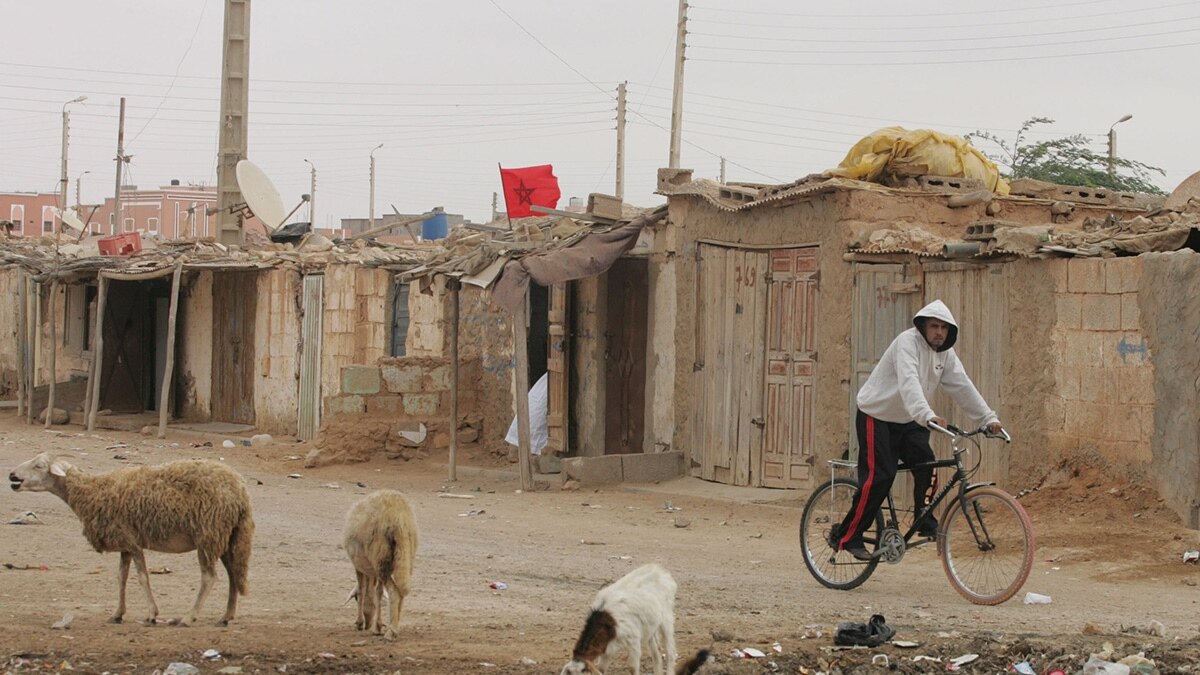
(396, 595)
(208, 575)
(231, 603)
(143, 575)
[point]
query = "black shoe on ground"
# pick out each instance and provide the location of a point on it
(834, 534)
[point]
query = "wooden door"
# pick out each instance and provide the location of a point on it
(976, 296)
(727, 424)
(308, 419)
(557, 403)
(235, 298)
(884, 303)
(791, 368)
(625, 357)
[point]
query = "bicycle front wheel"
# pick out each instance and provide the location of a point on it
(987, 545)
(826, 508)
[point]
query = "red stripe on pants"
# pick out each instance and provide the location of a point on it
(864, 491)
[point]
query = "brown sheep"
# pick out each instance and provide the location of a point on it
(381, 540)
(178, 507)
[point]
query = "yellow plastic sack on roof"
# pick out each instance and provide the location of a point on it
(896, 152)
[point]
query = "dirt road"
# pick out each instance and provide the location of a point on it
(1108, 556)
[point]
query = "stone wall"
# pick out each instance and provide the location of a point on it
(356, 321)
(403, 394)
(277, 352)
(1103, 367)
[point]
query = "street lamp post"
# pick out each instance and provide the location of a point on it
(312, 197)
(63, 184)
(1112, 144)
(78, 192)
(371, 219)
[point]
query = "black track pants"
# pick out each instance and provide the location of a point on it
(881, 447)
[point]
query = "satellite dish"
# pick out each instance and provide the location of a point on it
(69, 217)
(260, 194)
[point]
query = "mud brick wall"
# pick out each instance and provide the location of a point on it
(398, 394)
(1103, 366)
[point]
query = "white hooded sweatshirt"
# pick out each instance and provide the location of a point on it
(899, 388)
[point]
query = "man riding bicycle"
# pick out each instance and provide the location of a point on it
(893, 418)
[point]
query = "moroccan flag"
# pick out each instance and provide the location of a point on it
(529, 186)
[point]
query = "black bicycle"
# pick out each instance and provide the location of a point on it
(985, 538)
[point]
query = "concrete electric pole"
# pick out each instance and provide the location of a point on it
(371, 221)
(64, 185)
(677, 98)
(235, 106)
(620, 193)
(312, 197)
(1112, 144)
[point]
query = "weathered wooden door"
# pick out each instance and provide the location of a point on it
(235, 297)
(791, 369)
(557, 373)
(400, 318)
(884, 299)
(976, 296)
(625, 357)
(311, 325)
(731, 308)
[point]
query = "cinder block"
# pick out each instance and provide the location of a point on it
(360, 380)
(605, 470)
(1124, 350)
(1068, 381)
(1100, 312)
(547, 463)
(1085, 275)
(1131, 313)
(386, 405)
(439, 378)
(652, 467)
(402, 379)
(1122, 275)
(421, 405)
(1058, 270)
(345, 405)
(1092, 382)
(1069, 309)
(1084, 348)
(1135, 386)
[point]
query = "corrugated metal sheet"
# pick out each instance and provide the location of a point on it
(309, 414)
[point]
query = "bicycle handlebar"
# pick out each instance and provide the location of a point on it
(951, 430)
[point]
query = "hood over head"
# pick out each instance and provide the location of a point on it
(937, 310)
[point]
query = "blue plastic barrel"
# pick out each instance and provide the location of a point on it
(437, 227)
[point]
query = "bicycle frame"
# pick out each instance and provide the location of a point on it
(959, 479)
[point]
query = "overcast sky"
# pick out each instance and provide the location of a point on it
(779, 88)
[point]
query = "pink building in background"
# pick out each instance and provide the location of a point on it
(172, 211)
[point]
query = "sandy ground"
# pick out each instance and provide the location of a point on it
(1108, 555)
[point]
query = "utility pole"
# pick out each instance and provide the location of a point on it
(235, 106)
(722, 171)
(78, 193)
(371, 222)
(677, 98)
(116, 226)
(495, 202)
(1112, 144)
(621, 141)
(312, 198)
(65, 185)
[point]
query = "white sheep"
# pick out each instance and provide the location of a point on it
(381, 540)
(178, 507)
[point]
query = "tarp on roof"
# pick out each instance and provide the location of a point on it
(591, 255)
(896, 152)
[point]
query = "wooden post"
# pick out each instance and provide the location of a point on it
(521, 393)
(53, 351)
(22, 344)
(164, 398)
(36, 341)
(98, 353)
(454, 285)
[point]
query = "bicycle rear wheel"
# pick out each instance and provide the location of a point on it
(987, 545)
(826, 508)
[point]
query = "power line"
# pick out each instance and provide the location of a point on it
(973, 38)
(905, 15)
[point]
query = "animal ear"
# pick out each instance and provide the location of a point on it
(59, 467)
